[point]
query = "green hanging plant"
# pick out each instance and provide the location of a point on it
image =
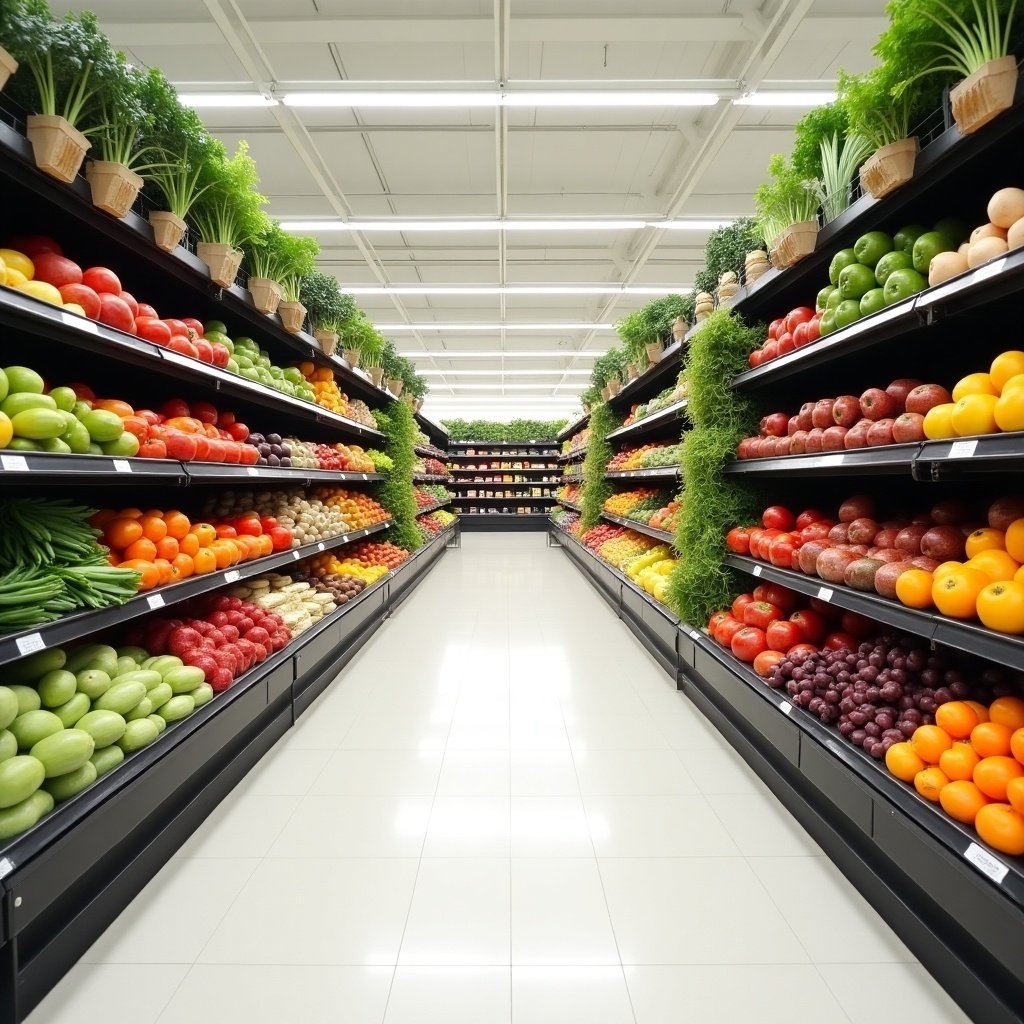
(727, 248)
(597, 490)
(230, 209)
(396, 492)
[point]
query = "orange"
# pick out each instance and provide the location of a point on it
(956, 718)
(184, 565)
(266, 545)
(224, 554)
(944, 568)
(956, 594)
(979, 709)
(1008, 711)
(974, 384)
(985, 539)
(1002, 828)
(1015, 793)
(996, 565)
(1009, 410)
(1004, 366)
(205, 561)
(962, 800)
(154, 528)
(992, 774)
(167, 548)
(206, 533)
(1001, 607)
(154, 512)
(131, 513)
(938, 422)
(929, 741)
(1015, 540)
(189, 544)
(114, 405)
(121, 533)
(914, 588)
(1017, 745)
(930, 782)
(177, 524)
(101, 518)
(903, 762)
(166, 571)
(991, 739)
(150, 573)
(975, 414)
(143, 548)
(958, 763)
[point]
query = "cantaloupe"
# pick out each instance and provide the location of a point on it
(1006, 207)
(945, 265)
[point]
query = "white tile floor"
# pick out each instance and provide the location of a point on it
(500, 812)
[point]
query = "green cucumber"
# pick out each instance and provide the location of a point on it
(21, 817)
(73, 710)
(26, 670)
(79, 658)
(28, 698)
(141, 710)
(93, 683)
(159, 723)
(121, 697)
(9, 706)
(148, 678)
(138, 735)
(107, 759)
(70, 784)
(38, 424)
(34, 726)
(160, 695)
(105, 727)
(137, 654)
(20, 777)
(166, 663)
(185, 679)
(64, 752)
(177, 708)
(202, 695)
(8, 745)
(23, 401)
(56, 688)
(105, 663)
(126, 664)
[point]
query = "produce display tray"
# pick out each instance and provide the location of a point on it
(572, 428)
(435, 431)
(497, 447)
(569, 504)
(650, 531)
(889, 459)
(502, 484)
(653, 424)
(497, 522)
(661, 472)
(580, 453)
(525, 469)
(431, 508)
(653, 380)
(424, 478)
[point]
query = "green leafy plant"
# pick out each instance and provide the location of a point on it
(817, 125)
(396, 492)
(611, 364)
(326, 305)
(789, 199)
(840, 159)
(704, 281)
(727, 247)
(124, 132)
(391, 362)
(875, 112)
(514, 432)
(297, 254)
(230, 209)
(597, 490)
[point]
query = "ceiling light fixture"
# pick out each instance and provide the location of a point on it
(496, 354)
(506, 387)
(556, 372)
(517, 289)
(810, 98)
(448, 98)
(581, 224)
(200, 100)
(484, 328)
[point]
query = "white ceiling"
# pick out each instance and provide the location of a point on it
(640, 163)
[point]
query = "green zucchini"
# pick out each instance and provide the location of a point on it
(73, 710)
(107, 759)
(20, 777)
(105, 727)
(64, 752)
(34, 726)
(120, 698)
(70, 784)
(138, 735)
(9, 706)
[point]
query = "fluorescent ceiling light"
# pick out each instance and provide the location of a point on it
(786, 99)
(581, 224)
(482, 328)
(448, 98)
(517, 289)
(504, 373)
(497, 354)
(198, 100)
(504, 387)
(689, 225)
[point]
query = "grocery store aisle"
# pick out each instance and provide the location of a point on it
(501, 811)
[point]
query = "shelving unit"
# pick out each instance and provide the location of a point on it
(63, 881)
(484, 512)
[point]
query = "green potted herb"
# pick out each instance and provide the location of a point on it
(607, 370)
(228, 213)
(417, 387)
(786, 213)
(298, 255)
(725, 253)
(392, 367)
(634, 331)
(326, 308)
(359, 337)
(266, 262)
(372, 354)
(8, 65)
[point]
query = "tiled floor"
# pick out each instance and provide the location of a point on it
(501, 812)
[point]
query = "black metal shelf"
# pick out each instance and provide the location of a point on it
(430, 451)
(653, 380)
(569, 504)
(528, 469)
(650, 531)
(967, 456)
(659, 473)
(431, 508)
(521, 499)
(503, 484)
(655, 423)
(888, 459)
(216, 473)
(424, 478)
(84, 624)
(435, 431)
(571, 428)
(964, 636)
(571, 480)
(503, 448)
(580, 453)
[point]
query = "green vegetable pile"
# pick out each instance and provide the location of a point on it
(661, 457)
(514, 432)
(395, 493)
(381, 462)
(597, 490)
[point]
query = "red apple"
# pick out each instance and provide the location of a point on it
(767, 449)
(927, 396)
(743, 449)
(815, 441)
(204, 348)
(130, 299)
(798, 443)
(805, 417)
(862, 530)
(880, 433)
(800, 335)
(783, 446)
(774, 425)
(946, 543)
(1004, 511)
(886, 537)
(775, 328)
(899, 389)
(769, 351)
(755, 358)
(115, 313)
(846, 411)
(924, 562)
(950, 512)
(221, 355)
(793, 425)
(145, 309)
(34, 245)
(822, 413)
(909, 427)
(886, 577)
(834, 439)
(877, 404)
(56, 270)
(787, 344)
(887, 554)
(857, 435)
(84, 296)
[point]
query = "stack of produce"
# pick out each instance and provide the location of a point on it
(436, 492)
(982, 403)
(430, 467)
(357, 509)
(648, 456)
(639, 504)
(565, 518)
(340, 587)
(381, 463)
(326, 392)
(255, 364)
(619, 550)
(651, 571)
(296, 601)
(430, 526)
(571, 493)
(577, 443)
(444, 517)
(68, 717)
(359, 411)
(971, 763)
(369, 560)
(52, 565)
(665, 518)
(667, 397)
(301, 453)
(597, 535)
(424, 447)
(342, 458)
(274, 450)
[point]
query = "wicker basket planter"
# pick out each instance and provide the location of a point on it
(984, 95)
(57, 147)
(889, 167)
(168, 229)
(794, 244)
(266, 294)
(221, 260)
(293, 316)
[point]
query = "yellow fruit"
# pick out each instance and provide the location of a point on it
(74, 307)
(944, 568)
(938, 422)
(3, 272)
(18, 261)
(996, 565)
(975, 414)
(1015, 383)
(985, 539)
(1009, 409)
(42, 290)
(974, 384)
(6, 430)
(1014, 540)
(15, 278)
(1004, 366)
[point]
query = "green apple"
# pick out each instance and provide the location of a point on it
(294, 374)
(819, 302)
(895, 260)
(81, 408)
(843, 258)
(76, 437)
(232, 366)
(23, 444)
(55, 445)
(905, 238)
(928, 246)
(65, 398)
(901, 284)
(123, 447)
(954, 229)
(847, 313)
(94, 449)
(856, 280)
(217, 326)
(834, 299)
(872, 302)
(828, 322)
(870, 248)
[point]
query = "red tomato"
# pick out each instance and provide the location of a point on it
(761, 614)
(748, 643)
(281, 537)
(115, 313)
(153, 448)
(136, 425)
(761, 592)
(179, 343)
(221, 355)
(737, 540)
(202, 447)
(783, 634)
(766, 661)
(152, 418)
(226, 532)
(802, 649)
(182, 446)
(814, 328)
(204, 412)
(778, 517)
(194, 325)
(764, 545)
(174, 408)
(775, 328)
(101, 280)
(809, 516)
(34, 245)
(755, 358)
(269, 522)
(787, 344)
(841, 642)
(145, 309)
(769, 350)
(204, 349)
(800, 315)
(84, 296)
(130, 299)
(740, 603)
(150, 329)
(800, 335)
(176, 326)
(783, 597)
(56, 270)
(249, 526)
(816, 531)
(811, 625)
(781, 551)
(238, 431)
(726, 630)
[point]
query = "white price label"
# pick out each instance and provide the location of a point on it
(233, 576)
(986, 863)
(837, 460)
(155, 601)
(6, 867)
(122, 466)
(321, 546)
(296, 556)
(694, 635)
(962, 449)
(365, 477)
(14, 463)
(786, 707)
(30, 644)
(824, 594)
(252, 471)
(757, 570)
(81, 322)
(989, 270)
(343, 539)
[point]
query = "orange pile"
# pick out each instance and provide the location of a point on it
(358, 510)
(325, 388)
(971, 763)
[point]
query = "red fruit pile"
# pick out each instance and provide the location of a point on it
(371, 553)
(431, 467)
(597, 536)
(799, 327)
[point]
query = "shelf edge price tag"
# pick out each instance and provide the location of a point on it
(825, 594)
(986, 863)
(155, 601)
(14, 463)
(786, 707)
(233, 576)
(6, 867)
(81, 322)
(694, 635)
(962, 449)
(30, 644)
(122, 466)
(252, 471)
(321, 546)
(757, 570)
(296, 556)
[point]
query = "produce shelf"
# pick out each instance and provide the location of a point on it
(432, 508)
(967, 456)
(214, 473)
(889, 459)
(423, 478)
(435, 431)
(522, 498)
(528, 469)
(84, 624)
(653, 380)
(571, 428)
(487, 448)
(655, 423)
(496, 522)
(580, 453)
(430, 451)
(35, 468)
(661, 472)
(964, 636)
(650, 531)
(569, 504)
(570, 480)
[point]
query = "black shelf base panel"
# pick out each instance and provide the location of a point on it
(499, 522)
